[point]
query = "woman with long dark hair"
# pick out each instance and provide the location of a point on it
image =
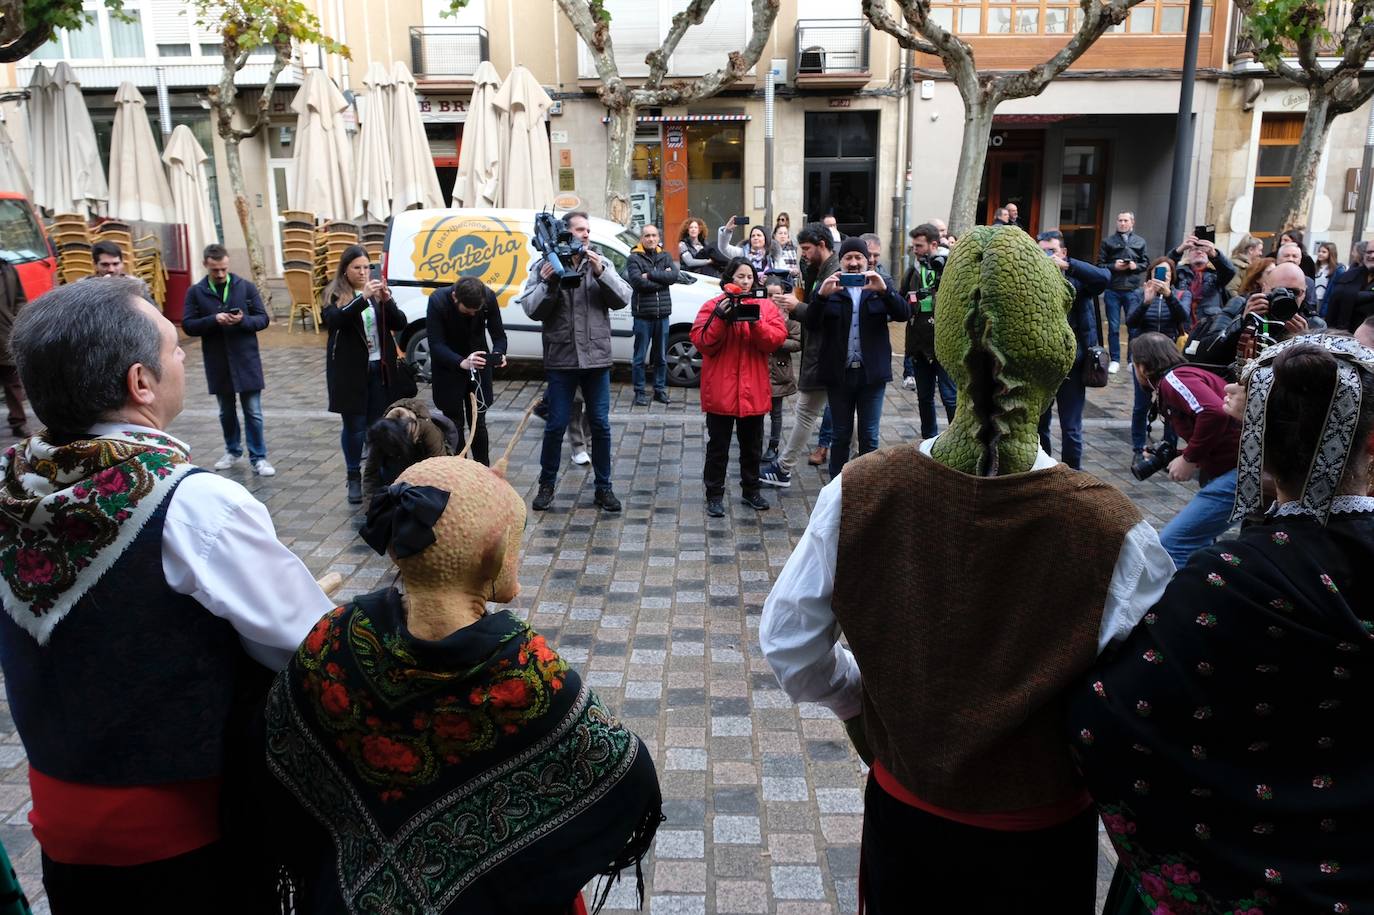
(1329, 270)
(736, 392)
(360, 366)
(1227, 744)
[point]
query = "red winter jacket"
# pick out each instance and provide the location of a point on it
(734, 359)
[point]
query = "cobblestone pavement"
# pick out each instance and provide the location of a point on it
(658, 607)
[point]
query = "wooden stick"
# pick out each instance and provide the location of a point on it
(503, 462)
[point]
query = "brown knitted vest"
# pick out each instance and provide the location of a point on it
(970, 604)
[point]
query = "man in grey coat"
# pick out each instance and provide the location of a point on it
(577, 356)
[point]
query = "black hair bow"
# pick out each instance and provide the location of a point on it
(402, 517)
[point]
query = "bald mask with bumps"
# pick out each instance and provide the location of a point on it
(477, 539)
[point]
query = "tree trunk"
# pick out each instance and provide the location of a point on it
(968, 180)
(250, 229)
(1315, 126)
(622, 143)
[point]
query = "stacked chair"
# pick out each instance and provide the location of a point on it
(148, 267)
(298, 268)
(373, 236)
(71, 235)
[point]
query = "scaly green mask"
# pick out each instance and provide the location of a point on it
(1001, 331)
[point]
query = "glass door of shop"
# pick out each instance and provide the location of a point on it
(1081, 196)
(842, 168)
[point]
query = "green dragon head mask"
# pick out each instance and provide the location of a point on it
(1002, 333)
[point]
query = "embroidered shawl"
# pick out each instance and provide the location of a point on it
(433, 764)
(1227, 744)
(67, 512)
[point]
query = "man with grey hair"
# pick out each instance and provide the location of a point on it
(1290, 253)
(875, 256)
(145, 606)
(1124, 255)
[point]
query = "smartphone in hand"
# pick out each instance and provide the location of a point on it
(741, 220)
(1162, 273)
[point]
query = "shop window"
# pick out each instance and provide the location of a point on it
(1080, 197)
(715, 171)
(1278, 154)
(1054, 17)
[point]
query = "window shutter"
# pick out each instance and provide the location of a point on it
(636, 30)
(170, 21)
(705, 47)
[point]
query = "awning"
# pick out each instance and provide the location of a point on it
(679, 118)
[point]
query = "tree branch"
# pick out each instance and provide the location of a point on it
(25, 44)
(597, 37)
(657, 60)
(876, 11)
(282, 45)
(765, 12)
(1097, 19)
(1343, 103)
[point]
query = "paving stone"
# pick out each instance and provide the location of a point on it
(797, 882)
(736, 830)
(741, 896)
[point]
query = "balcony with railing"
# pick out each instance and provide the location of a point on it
(447, 54)
(832, 53)
(1336, 19)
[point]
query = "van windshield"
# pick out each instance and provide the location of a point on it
(21, 240)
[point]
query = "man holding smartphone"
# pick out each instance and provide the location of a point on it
(227, 313)
(1123, 255)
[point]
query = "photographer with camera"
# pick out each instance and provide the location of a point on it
(850, 314)
(736, 332)
(923, 373)
(458, 320)
(1203, 272)
(571, 291)
(1191, 400)
(1276, 312)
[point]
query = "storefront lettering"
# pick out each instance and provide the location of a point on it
(441, 106)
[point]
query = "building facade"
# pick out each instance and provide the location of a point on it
(1097, 141)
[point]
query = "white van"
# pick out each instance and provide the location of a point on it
(430, 249)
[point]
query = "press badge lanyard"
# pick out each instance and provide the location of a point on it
(224, 293)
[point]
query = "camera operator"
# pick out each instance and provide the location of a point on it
(458, 321)
(577, 351)
(1273, 314)
(1191, 400)
(922, 371)
(735, 335)
(850, 314)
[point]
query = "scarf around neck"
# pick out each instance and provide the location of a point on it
(68, 512)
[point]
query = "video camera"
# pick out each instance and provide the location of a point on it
(737, 307)
(554, 240)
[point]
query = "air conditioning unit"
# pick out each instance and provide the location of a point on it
(812, 60)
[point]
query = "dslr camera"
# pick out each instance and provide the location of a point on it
(1156, 458)
(554, 240)
(1283, 304)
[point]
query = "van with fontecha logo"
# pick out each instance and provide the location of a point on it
(431, 249)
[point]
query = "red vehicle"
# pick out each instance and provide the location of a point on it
(24, 243)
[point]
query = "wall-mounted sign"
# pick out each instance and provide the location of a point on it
(565, 158)
(565, 179)
(441, 109)
(558, 136)
(840, 102)
(674, 138)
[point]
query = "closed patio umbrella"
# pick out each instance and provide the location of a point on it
(414, 181)
(479, 161)
(526, 166)
(138, 185)
(39, 111)
(190, 192)
(75, 157)
(373, 188)
(323, 182)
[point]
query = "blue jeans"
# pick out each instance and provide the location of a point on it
(826, 435)
(595, 385)
(854, 394)
(930, 375)
(1070, 398)
(651, 331)
(353, 435)
(1202, 520)
(1117, 302)
(252, 423)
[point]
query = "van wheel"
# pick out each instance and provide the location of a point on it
(684, 361)
(417, 353)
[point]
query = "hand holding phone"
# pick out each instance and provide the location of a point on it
(741, 220)
(1162, 273)
(852, 280)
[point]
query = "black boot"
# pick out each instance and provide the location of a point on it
(355, 488)
(771, 454)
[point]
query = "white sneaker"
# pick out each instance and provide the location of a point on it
(227, 460)
(1113, 368)
(582, 457)
(264, 469)
(909, 382)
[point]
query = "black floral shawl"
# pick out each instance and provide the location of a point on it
(473, 774)
(1229, 744)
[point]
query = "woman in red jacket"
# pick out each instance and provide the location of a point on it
(735, 388)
